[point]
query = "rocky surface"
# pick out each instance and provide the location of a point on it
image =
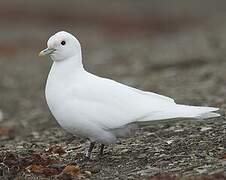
(176, 52)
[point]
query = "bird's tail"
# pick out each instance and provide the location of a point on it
(196, 111)
(183, 111)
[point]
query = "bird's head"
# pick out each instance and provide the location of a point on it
(61, 46)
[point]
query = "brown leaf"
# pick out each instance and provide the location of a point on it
(6, 132)
(72, 170)
(39, 169)
(56, 150)
(34, 163)
(34, 168)
(43, 159)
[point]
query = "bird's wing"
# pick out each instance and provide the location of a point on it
(153, 95)
(112, 104)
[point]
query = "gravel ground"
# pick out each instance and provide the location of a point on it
(181, 56)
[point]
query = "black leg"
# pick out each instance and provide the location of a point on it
(91, 146)
(101, 149)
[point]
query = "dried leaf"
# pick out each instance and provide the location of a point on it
(72, 170)
(14, 161)
(5, 131)
(39, 169)
(34, 168)
(56, 150)
(41, 159)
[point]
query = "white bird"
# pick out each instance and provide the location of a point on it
(97, 108)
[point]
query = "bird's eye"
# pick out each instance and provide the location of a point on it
(63, 42)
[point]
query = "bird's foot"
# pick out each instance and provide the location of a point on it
(101, 153)
(88, 152)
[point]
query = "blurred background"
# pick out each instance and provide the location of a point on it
(176, 48)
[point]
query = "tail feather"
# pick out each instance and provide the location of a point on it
(183, 111)
(208, 115)
(197, 111)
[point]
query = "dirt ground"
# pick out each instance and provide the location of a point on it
(174, 49)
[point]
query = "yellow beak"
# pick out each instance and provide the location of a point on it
(46, 51)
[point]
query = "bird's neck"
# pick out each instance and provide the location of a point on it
(68, 65)
(61, 71)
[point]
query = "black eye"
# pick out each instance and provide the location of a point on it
(63, 42)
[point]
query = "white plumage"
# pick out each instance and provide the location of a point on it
(98, 108)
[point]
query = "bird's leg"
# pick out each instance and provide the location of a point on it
(89, 151)
(101, 150)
